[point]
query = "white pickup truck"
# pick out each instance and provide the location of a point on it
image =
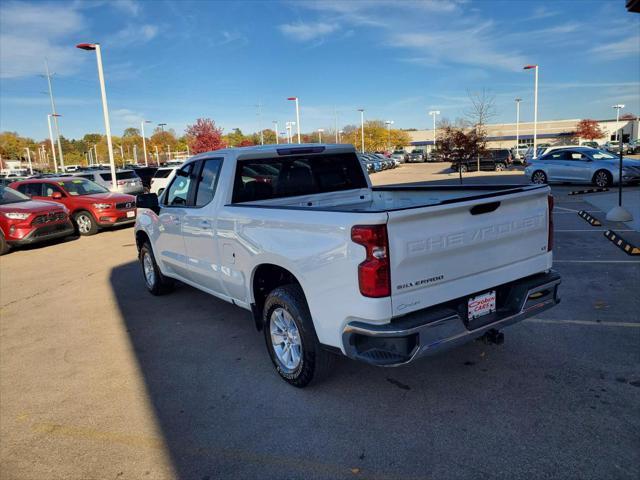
(328, 264)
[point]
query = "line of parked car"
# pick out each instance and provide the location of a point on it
(50, 206)
(376, 162)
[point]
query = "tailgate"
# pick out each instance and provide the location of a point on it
(443, 252)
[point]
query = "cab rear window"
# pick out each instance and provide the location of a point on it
(291, 176)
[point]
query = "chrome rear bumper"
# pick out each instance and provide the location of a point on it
(443, 327)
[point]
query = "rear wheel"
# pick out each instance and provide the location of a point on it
(602, 178)
(539, 177)
(156, 282)
(500, 167)
(291, 339)
(85, 223)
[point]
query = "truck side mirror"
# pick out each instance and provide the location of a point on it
(148, 200)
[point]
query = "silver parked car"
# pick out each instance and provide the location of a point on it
(582, 165)
(128, 181)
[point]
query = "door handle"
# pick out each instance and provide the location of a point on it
(205, 224)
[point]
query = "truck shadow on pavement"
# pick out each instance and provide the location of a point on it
(224, 412)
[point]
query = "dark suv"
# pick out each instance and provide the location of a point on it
(497, 159)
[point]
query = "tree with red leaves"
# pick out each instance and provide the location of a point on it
(204, 136)
(246, 143)
(589, 129)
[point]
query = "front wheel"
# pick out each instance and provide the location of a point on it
(4, 246)
(500, 167)
(602, 178)
(85, 223)
(291, 339)
(539, 177)
(155, 281)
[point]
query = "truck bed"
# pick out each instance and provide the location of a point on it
(390, 198)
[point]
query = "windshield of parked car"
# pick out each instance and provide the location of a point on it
(9, 195)
(602, 155)
(82, 186)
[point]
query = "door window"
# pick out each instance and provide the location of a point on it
(50, 189)
(178, 192)
(31, 189)
(576, 156)
(207, 181)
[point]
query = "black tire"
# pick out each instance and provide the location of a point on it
(539, 177)
(85, 224)
(4, 246)
(500, 167)
(602, 178)
(158, 284)
(314, 362)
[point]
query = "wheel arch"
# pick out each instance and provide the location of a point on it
(141, 238)
(264, 279)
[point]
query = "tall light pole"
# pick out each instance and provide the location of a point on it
(105, 108)
(162, 125)
(361, 110)
(29, 160)
(169, 153)
(297, 115)
(433, 113)
(275, 129)
(335, 115)
(157, 156)
(53, 112)
(53, 148)
(320, 130)
(535, 108)
(617, 108)
(144, 143)
(518, 100)
(388, 123)
(259, 115)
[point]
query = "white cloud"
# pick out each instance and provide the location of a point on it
(470, 46)
(304, 32)
(126, 117)
(28, 35)
(629, 47)
(133, 34)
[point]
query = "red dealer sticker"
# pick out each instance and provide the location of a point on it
(482, 305)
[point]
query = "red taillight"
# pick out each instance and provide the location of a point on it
(550, 238)
(374, 275)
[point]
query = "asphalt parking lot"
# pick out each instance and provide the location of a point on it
(100, 380)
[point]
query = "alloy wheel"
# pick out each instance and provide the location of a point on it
(285, 339)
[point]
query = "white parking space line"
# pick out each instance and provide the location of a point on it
(590, 323)
(574, 211)
(592, 230)
(596, 261)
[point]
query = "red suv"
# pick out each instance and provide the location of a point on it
(24, 221)
(91, 205)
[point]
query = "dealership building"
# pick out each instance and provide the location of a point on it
(554, 132)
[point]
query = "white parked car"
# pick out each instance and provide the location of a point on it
(127, 181)
(161, 179)
(328, 264)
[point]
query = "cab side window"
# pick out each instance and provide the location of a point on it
(207, 181)
(177, 194)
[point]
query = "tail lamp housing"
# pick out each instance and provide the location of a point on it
(374, 273)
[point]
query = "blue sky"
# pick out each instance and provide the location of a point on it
(174, 61)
